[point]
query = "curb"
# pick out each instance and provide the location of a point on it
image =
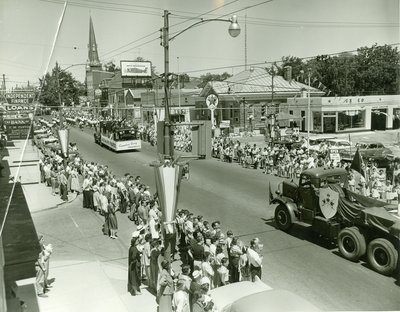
(56, 206)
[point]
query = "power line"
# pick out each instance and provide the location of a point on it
(155, 32)
(277, 61)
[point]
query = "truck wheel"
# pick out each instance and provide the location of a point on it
(283, 219)
(351, 243)
(382, 256)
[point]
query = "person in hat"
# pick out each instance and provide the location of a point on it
(134, 265)
(205, 285)
(166, 288)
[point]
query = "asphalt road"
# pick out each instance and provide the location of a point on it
(298, 262)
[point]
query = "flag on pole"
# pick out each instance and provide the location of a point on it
(357, 163)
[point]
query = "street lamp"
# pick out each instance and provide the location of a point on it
(168, 172)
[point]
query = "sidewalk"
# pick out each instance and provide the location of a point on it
(83, 280)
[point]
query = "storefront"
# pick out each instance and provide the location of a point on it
(250, 99)
(347, 114)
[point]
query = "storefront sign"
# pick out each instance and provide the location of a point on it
(20, 97)
(24, 121)
(18, 129)
(16, 108)
(225, 124)
(289, 131)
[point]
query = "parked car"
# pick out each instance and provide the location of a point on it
(257, 297)
(375, 151)
(340, 144)
(315, 143)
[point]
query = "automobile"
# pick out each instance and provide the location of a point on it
(257, 297)
(375, 151)
(314, 143)
(339, 144)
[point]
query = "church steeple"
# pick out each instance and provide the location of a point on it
(93, 55)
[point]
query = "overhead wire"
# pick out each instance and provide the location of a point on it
(157, 31)
(30, 128)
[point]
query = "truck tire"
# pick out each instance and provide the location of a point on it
(352, 244)
(382, 256)
(283, 219)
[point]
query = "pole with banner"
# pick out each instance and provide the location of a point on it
(168, 178)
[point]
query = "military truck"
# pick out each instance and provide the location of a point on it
(360, 225)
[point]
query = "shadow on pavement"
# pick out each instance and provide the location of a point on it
(305, 233)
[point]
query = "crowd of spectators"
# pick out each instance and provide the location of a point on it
(279, 160)
(209, 258)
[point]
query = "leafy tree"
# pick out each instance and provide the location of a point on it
(212, 77)
(60, 86)
(372, 70)
(111, 67)
(295, 62)
(377, 69)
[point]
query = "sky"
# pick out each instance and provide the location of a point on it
(126, 29)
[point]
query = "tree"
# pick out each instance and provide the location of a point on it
(60, 86)
(377, 69)
(212, 77)
(111, 67)
(295, 62)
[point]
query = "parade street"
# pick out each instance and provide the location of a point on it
(299, 262)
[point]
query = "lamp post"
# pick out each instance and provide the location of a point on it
(168, 171)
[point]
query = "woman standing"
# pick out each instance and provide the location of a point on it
(112, 218)
(134, 278)
(75, 187)
(166, 288)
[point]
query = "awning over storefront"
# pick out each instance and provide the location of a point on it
(20, 241)
(285, 116)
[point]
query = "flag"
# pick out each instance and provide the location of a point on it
(271, 196)
(357, 163)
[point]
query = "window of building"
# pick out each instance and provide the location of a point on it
(351, 119)
(317, 124)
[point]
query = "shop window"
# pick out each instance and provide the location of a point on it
(351, 119)
(317, 124)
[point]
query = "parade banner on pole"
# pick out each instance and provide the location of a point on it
(63, 136)
(168, 178)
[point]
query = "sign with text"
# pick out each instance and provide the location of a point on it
(20, 97)
(12, 108)
(135, 69)
(18, 129)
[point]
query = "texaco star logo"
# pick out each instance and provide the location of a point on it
(212, 101)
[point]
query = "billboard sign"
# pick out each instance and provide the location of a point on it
(133, 69)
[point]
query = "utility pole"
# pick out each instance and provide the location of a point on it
(179, 86)
(168, 137)
(3, 87)
(309, 110)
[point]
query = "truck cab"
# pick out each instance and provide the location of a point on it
(360, 226)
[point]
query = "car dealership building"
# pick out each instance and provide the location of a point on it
(346, 114)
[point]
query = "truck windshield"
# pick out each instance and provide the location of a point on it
(333, 179)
